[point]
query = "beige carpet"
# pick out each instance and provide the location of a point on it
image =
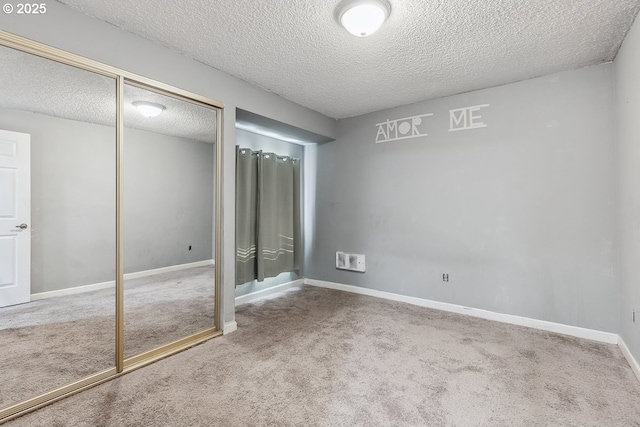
(53, 342)
(320, 357)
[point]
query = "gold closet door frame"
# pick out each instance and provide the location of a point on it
(123, 365)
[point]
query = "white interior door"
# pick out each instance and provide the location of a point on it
(15, 218)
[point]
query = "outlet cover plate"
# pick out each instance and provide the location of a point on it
(350, 261)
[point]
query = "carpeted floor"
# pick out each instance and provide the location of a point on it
(321, 357)
(53, 342)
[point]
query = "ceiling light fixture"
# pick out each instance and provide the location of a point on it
(363, 17)
(149, 109)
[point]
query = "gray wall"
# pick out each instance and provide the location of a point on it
(520, 214)
(627, 71)
(70, 30)
(167, 204)
(168, 200)
(259, 142)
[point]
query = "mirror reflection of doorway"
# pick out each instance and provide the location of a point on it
(15, 217)
(57, 235)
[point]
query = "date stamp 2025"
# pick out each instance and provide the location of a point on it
(25, 8)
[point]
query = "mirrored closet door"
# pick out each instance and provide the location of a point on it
(168, 219)
(58, 225)
(110, 189)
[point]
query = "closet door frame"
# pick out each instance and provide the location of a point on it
(122, 365)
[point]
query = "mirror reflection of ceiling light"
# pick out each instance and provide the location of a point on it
(363, 17)
(149, 109)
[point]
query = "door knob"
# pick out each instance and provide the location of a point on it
(22, 226)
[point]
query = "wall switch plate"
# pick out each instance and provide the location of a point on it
(445, 277)
(633, 316)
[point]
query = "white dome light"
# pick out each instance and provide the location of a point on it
(149, 109)
(364, 17)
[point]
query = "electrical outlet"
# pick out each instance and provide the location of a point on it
(445, 277)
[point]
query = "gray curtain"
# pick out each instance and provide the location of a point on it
(267, 215)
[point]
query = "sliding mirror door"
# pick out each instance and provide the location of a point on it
(57, 225)
(168, 219)
(109, 222)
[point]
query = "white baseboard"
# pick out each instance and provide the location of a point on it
(111, 284)
(272, 290)
(145, 273)
(606, 337)
(72, 291)
(229, 327)
(635, 367)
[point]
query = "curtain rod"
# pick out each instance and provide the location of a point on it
(257, 153)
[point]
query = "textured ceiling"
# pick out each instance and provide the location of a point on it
(426, 49)
(179, 118)
(42, 86)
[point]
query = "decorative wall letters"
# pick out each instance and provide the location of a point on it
(463, 118)
(415, 126)
(407, 127)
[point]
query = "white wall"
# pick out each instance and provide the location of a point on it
(521, 214)
(627, 73)
(70, 30)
